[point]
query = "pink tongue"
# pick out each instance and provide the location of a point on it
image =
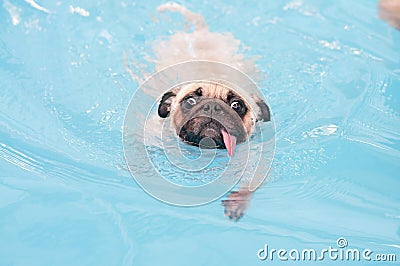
(229, 141)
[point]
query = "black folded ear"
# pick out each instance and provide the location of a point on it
(165, 104)
(264, 115)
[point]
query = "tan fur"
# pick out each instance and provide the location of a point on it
(202, 44)
(248, 123)
(210, 90)
(389, 10)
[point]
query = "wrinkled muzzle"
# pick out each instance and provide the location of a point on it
(212, 124)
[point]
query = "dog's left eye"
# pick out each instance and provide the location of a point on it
(237, 106)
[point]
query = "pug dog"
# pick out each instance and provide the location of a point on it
(212, 115)
(209, 114)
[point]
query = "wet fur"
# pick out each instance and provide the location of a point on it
(209, 90)
(202, 44)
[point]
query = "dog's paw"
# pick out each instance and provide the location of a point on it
(236, 204)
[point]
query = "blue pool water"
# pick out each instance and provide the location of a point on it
(67, 198)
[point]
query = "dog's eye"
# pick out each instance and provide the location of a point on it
(190, 102)
(237, 106)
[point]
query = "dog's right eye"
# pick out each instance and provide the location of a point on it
(189, 102)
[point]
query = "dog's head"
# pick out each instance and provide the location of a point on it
(212, 115)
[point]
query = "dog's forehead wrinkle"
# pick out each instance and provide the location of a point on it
(208, 90)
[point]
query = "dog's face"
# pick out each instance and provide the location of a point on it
(212, 115)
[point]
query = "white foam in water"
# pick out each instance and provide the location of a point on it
(13, 11)
(79, 10)
(37, 6)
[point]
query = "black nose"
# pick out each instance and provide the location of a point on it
(217, 107)
(212, 108)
